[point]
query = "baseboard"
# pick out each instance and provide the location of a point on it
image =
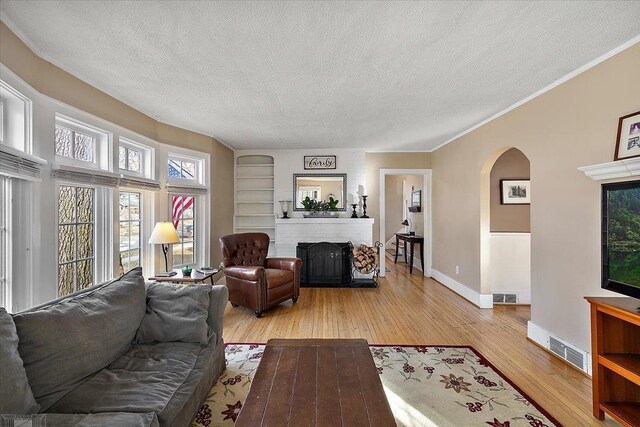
(476, 298)
(540, 337)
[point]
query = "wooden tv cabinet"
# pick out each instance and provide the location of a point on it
(615, 350)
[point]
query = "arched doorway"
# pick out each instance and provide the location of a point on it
(505, 235)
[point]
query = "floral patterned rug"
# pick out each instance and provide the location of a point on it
(425, 386)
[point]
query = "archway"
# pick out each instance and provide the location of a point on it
(505, 240)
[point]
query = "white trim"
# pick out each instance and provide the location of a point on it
(541, 337)
(611, 170)
(427, 215)
(545, 89)
(476, 298)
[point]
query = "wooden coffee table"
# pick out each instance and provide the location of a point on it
(316, 382)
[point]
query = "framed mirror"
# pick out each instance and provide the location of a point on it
(319, 186)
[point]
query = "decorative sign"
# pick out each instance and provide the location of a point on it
(319, 162)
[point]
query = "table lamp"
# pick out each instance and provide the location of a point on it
(408, 223)
(164, 233)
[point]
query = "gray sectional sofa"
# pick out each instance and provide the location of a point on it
(118, 354)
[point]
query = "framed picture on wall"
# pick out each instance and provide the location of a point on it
(628, 140)
(515, 192)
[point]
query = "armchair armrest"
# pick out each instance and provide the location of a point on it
(218, 298)
(242, 272)
(291, 264)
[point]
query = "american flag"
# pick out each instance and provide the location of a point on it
(180, 204)
(177, 171)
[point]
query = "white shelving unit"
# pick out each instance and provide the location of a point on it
(254, 206)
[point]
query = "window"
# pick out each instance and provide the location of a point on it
(130, 159)
(129, 231)
(182, 169)
(15, 118)
(183, 216)
(76, 221)
(74, 145)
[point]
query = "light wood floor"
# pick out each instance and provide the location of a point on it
(410, 309)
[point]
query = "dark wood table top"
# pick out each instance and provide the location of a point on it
(410, 237)
(180, 278)
(316, 382)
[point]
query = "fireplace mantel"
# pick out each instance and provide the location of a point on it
(289, 232)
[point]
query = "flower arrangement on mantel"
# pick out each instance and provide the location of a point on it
(320, 209)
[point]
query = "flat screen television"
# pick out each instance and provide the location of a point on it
(621, 238)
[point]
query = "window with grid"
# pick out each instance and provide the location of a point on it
(130, 159)
(183, 216)
(76, 241)
(182, 169)
(129, 230)
(74, 145)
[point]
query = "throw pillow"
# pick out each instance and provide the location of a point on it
(175, 313)
(16, 396)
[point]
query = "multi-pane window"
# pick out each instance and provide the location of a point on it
(76, 221)
(74, 145)
(129, 230)
(183, 217)
(182, 169)
(130, 159)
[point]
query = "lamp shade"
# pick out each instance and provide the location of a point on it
(405, 222)
(164, 232)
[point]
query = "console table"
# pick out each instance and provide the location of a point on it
(412, 239)
(316, 382)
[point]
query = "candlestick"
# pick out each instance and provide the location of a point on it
(364, 207)
(354, 214)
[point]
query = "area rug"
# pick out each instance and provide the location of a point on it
(425, 385)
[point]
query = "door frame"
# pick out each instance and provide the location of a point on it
(426, 208)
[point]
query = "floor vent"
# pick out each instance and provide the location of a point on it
(505, 298)
(570, 354)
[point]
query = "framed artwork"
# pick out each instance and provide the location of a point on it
(628, 140)
(515, 192)
(319, 162)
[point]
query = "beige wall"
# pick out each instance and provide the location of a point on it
(57, 83)
(513, 164)
(572, 125)
(393, 200)
(377, 161)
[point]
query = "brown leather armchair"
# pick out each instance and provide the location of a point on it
(255, 281)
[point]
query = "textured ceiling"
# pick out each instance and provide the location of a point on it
(373, 75)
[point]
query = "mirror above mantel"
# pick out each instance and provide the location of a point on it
(319, 186)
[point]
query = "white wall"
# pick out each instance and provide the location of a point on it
(288, 162)
(510, 265)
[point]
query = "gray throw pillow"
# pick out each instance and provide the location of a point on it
(175, 313)
(16, 396)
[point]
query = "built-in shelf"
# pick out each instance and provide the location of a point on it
(612, 170)
(255, 215)
(254, 203)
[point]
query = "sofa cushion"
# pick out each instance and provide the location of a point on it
(15, 393)
(175, 313)
(67, 340)
(111, 419)
(277, 278)
(158, 377)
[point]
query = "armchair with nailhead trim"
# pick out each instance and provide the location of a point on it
(255, 281)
